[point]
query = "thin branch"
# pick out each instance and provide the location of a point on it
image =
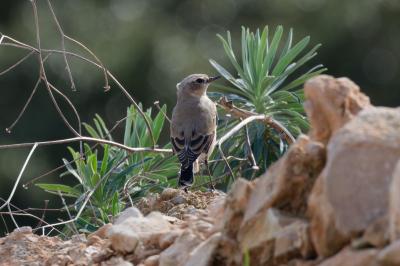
(251, 155)
(9, 129)
(157, 104)
(69, 214)
(88, 139)
(46, 203)
(243, 114)
(7, 202)
(124, 91)
(43, 71)
(17, 63)
(62, 45)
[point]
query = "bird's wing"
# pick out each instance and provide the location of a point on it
(188, 150)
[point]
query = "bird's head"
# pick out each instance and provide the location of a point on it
(195, 84)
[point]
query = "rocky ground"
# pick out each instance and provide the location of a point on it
(333, 199)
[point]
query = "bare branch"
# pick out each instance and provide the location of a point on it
(7, 202)
(43, 71)
(62, 45)
(9, 129)
(17, 63)
(243, 114)
(88, 139)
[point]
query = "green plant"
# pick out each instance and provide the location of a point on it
(266, 84)
(116, 177)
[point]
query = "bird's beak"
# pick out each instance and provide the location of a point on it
(211, 79)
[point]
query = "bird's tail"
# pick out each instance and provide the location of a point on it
(186, 176)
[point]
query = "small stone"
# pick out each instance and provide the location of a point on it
(179, 199)
(131, 212)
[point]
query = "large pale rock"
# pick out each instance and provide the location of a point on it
(122, 238)
(202, 255)
(234, 207)
(126, 235)
(330, 104)
(348, 257)
(352, 191)
(394, 205)
(390, 256)
(287, 184)
(275, 238)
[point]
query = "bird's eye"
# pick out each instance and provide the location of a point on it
(200, 80)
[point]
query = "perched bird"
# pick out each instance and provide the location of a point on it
(193, 125)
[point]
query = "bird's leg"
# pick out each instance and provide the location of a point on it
(209, 174)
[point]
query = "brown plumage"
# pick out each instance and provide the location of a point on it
(193, 125)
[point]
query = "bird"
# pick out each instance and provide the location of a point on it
(193, 126)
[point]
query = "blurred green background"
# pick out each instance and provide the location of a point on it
(150, 45)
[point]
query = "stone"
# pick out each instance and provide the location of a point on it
(331, 103)
(202, 255)
(169, 238)
(352, 190)
(390, 255)
(169, 193)
(122, 238)
(349, 257)
(116, 261)
(126, 235)
(325, 236)
(276, 237)
(394, 205)
(131, 212)
(152, 260)
(179, 251)
(377, 234)
(287, 184)
(234, 207)
(100, 234)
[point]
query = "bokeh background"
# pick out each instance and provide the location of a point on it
(150, 45)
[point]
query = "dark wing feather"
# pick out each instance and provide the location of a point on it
(189, 151)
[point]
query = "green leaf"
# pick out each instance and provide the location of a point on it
(290, 56)
(65, 190)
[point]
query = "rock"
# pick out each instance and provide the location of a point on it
(116, 261)
(122, 238)
(275, 237)
(394, 205)
(100, 234)
(287, 184)
(131, 212)
(202, 255)
(179, 251)
(348, 257)
(325, 236)
(152, 260)
(169, 238)
(169, 193)
(390, 255)
(126, 235)
(330, 104)
(377, 234)
(351, 193)
(234, 207)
